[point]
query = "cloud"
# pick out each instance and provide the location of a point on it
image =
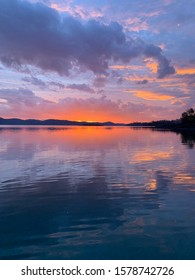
(143, 82)
(23, 96)
(127, 67)
(43, 85)
(77, 10)
(35, 34)
(34, 81)
(186, 71)
(135, 24)
(164, 67)
(81, 87)
(38, 82)
(57, 84)
(23, 103)
(100, 81)
(152, 96)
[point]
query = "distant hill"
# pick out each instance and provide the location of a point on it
(16, 121)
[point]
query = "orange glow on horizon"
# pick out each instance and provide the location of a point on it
(76, 115)
(95, 110)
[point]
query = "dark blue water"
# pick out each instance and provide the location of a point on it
(96, 193)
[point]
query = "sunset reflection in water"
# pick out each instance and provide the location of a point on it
(96, 193)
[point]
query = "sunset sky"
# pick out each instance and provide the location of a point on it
(105, 60)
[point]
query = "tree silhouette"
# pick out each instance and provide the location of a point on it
(188, 117)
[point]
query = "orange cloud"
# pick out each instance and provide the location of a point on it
(152, 96)
(186, 71)
(153, 66)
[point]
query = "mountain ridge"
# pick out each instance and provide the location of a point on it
(17, 121)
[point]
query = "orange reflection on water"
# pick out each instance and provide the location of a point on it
(184, 179)
(152, 185)
(152, 156)
(92, 138)
(78, 135)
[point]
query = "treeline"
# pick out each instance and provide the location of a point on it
(188, 117)
(187, 120)
(159, 124)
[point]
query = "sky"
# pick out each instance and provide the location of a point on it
(106, 60)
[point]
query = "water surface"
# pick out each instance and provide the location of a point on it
(96, 193)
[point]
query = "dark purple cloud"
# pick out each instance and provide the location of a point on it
(57, 84)
(34, 34)
(41, 84)
(38, 82)
(164, 67)
(81, 87)
(34, 81)
(143, 82)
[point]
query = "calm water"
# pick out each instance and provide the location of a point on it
(96, 193)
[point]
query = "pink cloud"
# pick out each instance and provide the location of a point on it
(77, 10)
(135, 24)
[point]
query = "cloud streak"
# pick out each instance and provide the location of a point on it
(34, 81)
(35, 34)
(81, 87)
(152, 96)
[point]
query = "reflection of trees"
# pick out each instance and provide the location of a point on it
(187, 135)
(188, 138)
